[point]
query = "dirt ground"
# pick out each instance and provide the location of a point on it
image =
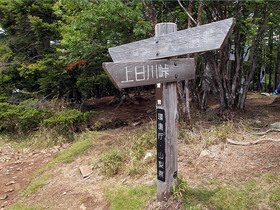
(67, 189)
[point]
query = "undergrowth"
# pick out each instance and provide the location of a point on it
(254, 194)
(36, 184)
(131, 197)
(131, 158)
(21, 122)
(215, 134)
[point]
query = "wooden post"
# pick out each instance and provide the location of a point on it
(166, 105)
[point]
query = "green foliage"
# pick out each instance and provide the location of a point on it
(20, 117)
(40, 38)
(25, 118)
(111, 162)
(67, 156)
(215, 195)
(274, 198)
(67, 117)
(179, 189)
(137, 197)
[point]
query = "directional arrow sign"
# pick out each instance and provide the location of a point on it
(198, 39)
(132, 74)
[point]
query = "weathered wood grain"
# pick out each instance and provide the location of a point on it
(169, 105)
(132, 74)
(198, 39)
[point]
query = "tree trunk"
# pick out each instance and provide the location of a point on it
(245, 85)
(277, 73)
(270, 45)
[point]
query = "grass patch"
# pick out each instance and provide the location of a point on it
(215, 134)
(254, 194)
(111, 162)
(19, 206)
(137, 197)
(36, 184)
(274, 198)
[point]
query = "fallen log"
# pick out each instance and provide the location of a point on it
(268, 131)
(251, 143)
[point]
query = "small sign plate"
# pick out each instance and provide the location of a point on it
(133, 74)
(161, 132)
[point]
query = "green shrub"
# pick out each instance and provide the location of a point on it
(20, 117)
(111, 162)
(23, 117)
(65, 117)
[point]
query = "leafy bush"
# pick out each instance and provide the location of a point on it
(67, 117)
(112, 162)
(20, 117)
(23, 117)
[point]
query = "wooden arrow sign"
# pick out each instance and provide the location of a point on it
(132, 74)
(198, 39)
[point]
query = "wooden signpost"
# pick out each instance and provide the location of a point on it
(132, 74)
(207, 37)
(135, 65)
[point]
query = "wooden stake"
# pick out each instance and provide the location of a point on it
(166, 99)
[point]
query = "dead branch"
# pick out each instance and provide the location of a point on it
(268, 131)
(187, 12)
(32, 93)
(251, 143)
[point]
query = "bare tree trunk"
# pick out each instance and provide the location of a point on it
(277, 71)
(270, 44)
(183, 87)
(181, 105)
(245, 86)
(205, 86)
(151, 13)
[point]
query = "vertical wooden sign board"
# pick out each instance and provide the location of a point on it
(166, 115)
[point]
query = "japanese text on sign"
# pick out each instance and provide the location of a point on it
(143, 73)
(161, 145)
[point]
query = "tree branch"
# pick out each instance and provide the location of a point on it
(12, 64)
(251, 143)
(187, 12)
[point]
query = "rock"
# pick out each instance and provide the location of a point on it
(10, 183)
(147, 155)
(3, 197)
(206, 153)
(9, 190)
(275, 125)
(83, 207)
(258, 122)
(150, 111)
(86, 170)
(136, 124)
(265, 94)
